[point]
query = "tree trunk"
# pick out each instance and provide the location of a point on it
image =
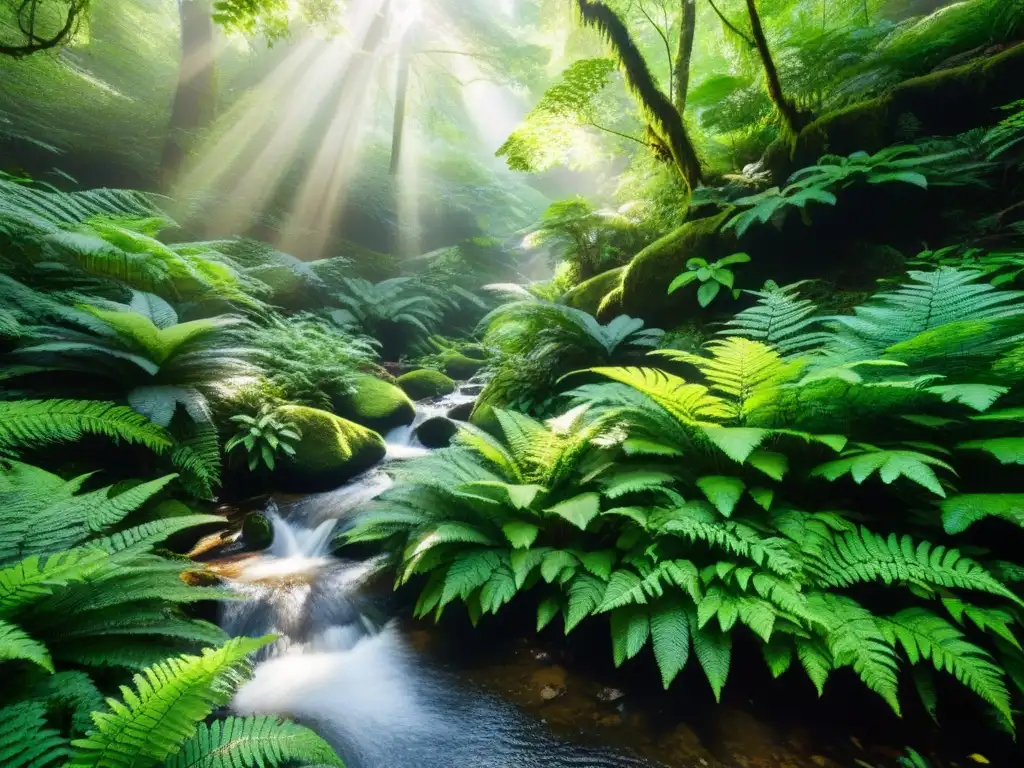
(787, 109)
(402, 97)
(195, 99)
(664, 119)
(681, 67)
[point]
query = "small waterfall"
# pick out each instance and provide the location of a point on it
(343, 669)
(402, 443)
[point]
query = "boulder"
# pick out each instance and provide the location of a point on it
(425, 383)
(461, 412)
(610, 306)
(460, 367)
(332, 450)
(646, 279)
(589, 294)
(257, 531)
(376, 404)
(436, 432)
(474, 351)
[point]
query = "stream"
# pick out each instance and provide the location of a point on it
(345, 668)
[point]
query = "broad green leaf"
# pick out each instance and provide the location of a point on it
(722, 491)
(520, 534)
(670, 636)
(579, 510)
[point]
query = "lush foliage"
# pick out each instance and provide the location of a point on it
(765, 496)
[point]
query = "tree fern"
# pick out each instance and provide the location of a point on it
(164, 709)
(29, 423)
(253, 742)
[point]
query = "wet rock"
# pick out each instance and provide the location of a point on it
(471, 389)
(425, 383)
(375, 404)
(436, 432)
(609, 695)
(257, 531)
(461, 412)
(547, 693)
(610, 720)
(824, 762)
(542, 656)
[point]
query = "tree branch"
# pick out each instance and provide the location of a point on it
(736, 30)
(616, 133)
(664, 39)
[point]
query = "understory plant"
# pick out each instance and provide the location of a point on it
(803, 488)
(264, 438)
(711, 277)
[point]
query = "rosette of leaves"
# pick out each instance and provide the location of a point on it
(712, 277)
(264, 437)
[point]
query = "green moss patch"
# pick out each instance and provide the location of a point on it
(460, 367)
(257, 531)
(645, 281)
(942, 103)
(376, 404)
(332, 450)
(425, 383)
(589, 294)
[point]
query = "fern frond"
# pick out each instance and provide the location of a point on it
(169, 701)
(30, 423)
(16, 644)
(861, 556)
(253, 742)
(925, 636)
(781, 320)
(27, 740)
(689, 403)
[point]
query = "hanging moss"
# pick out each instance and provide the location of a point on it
(610, 306)
(589, 294)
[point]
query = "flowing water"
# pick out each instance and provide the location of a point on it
(342, 667)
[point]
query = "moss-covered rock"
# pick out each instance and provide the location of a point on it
(257, 531)
(646, 279)
(425, 383)
(589, 294)
(331, 451)
(474, 351)
(610, 306)
(376, 404)
(436, 432)
(942, 103)
(460, 367)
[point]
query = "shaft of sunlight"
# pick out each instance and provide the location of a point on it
(408, 189)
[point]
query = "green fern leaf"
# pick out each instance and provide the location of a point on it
(547, 610)
(498, 590)
(30, 423)
(469, 571)
(579, 510)
(599, 563)
(925, 636)
(624, 587)
(556, 563)
(816, 661)
(722, 491)
(584, 594)
(960, 512)
(630, 629)
(170, 700)
(778, 655)
(1008, 450)
(253, 742)
(27, 741)
(773, 464)
(736, 442)
(521, 535)
(670, 636)
(889, 465)
(714, 652)
(16, 644)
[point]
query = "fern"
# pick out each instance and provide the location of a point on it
(252, 742)
(27, 740)
(163, 710)
(30, 423)
(780, 319)
(924, 636)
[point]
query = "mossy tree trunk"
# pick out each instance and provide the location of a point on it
(787, 109)
(665, 121)
(684, 53)
(195, 97)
